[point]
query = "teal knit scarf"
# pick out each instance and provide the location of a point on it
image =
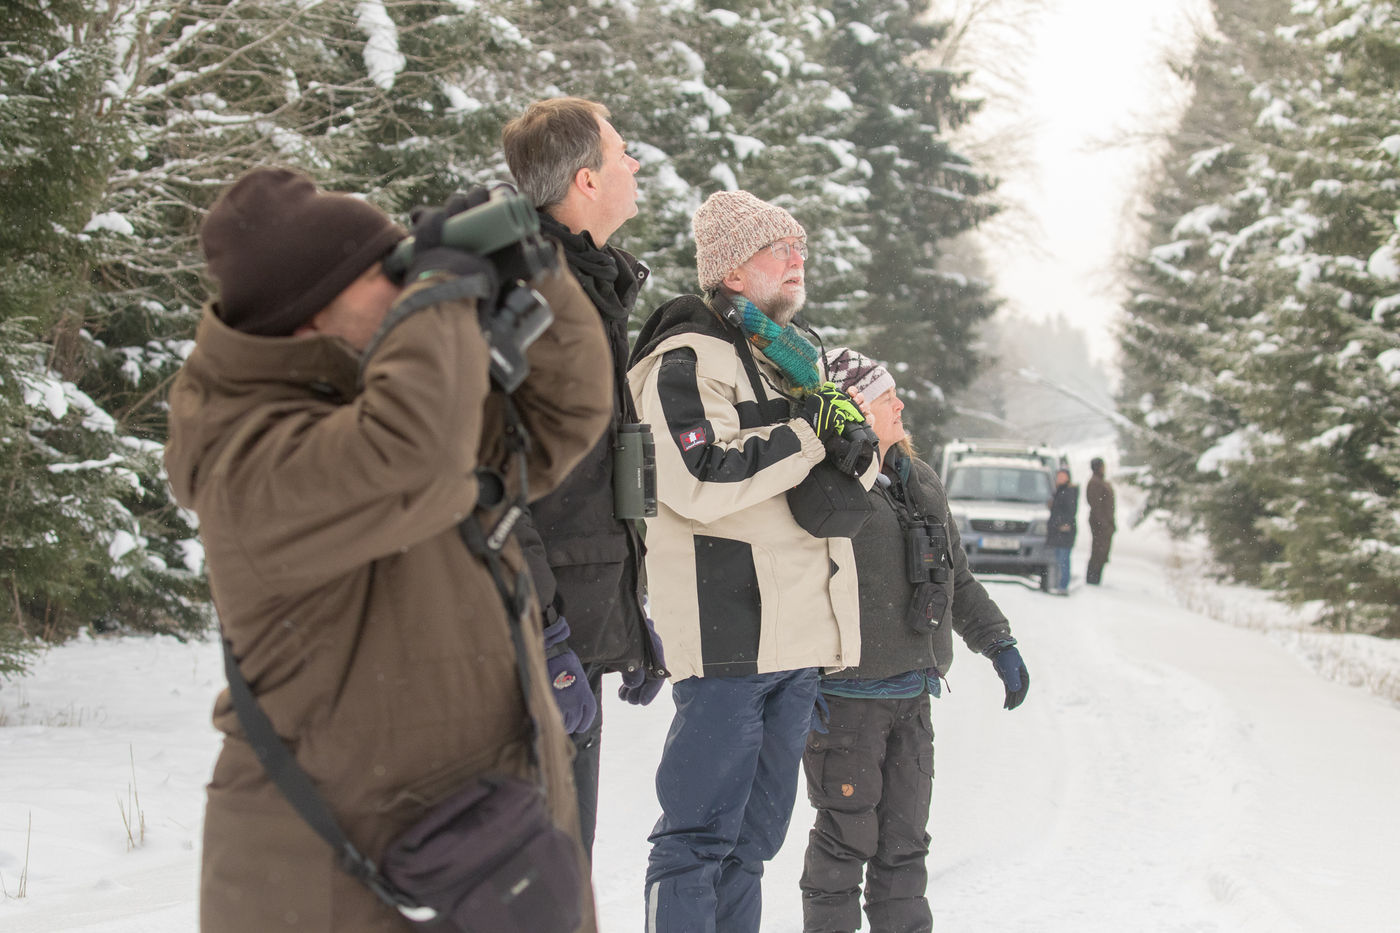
(785, 347)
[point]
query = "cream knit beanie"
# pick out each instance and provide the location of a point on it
(730, 227)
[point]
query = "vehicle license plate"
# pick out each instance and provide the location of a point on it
(1001, 544)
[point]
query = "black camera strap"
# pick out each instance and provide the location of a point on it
(489, 546)
(903, 499)
(281, 765)
(476, 286)
(771, 411)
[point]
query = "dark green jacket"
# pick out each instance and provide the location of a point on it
(888, 644)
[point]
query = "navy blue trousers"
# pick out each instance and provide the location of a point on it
(727, 782)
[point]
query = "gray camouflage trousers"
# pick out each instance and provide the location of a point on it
(870, 779)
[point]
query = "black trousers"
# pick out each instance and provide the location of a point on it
(588, 756)
(1098, 555)
(870, 778)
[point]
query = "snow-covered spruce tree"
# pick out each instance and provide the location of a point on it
(1332, 131)
(1293, 270)
(921, 309)
(77, 487)
(837, 114)
(1177, 380)
(167, 101)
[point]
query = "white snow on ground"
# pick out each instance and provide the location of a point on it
(1170, 772)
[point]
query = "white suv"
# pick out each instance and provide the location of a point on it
(999, 493)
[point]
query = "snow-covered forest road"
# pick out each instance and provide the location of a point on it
(1168, 772)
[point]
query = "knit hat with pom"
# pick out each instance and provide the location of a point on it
(854, 371)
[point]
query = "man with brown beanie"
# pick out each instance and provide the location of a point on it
(332, 429)
(585, 555)
(750, 605)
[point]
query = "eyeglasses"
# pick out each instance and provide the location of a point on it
(782, 251)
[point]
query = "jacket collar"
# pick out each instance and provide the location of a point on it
(323, 366)
(611, 277)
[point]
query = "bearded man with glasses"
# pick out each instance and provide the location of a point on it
(750, 605)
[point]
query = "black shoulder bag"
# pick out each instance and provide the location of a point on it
(486, 859)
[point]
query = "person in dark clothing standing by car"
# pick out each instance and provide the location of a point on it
(869, 767)
(1099, 495)
(586, 560)
(1064, 506)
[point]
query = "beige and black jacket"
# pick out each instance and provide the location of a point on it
(736, 586)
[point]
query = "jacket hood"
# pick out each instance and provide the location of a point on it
(684, 314)
(226, 368)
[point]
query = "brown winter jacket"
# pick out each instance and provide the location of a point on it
(1099, 495)
(375, 642)
(889, 646)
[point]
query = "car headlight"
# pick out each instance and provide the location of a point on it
(1040, 527)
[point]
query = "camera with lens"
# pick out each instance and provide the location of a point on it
(504, 229)
(852, 450)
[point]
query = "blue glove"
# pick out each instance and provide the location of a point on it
(572, 695)
(642, 683)
(1012, 671)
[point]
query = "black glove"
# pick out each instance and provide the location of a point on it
(1012, 671)
(572, 694)
(526, 260)
(429, 255)
(641, 684)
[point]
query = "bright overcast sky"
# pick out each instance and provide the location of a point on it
(1097, 80)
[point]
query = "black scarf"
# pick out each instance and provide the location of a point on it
(606, 277)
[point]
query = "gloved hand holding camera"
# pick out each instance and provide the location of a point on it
(495, 234)
(430, 255)
(849, 440)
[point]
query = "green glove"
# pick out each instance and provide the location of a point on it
(828, 409)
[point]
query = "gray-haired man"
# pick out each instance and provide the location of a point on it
(587, 562)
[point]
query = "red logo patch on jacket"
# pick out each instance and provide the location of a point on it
(692, 439)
